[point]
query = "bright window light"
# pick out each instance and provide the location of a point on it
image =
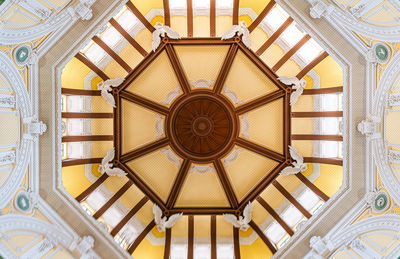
(202, 251)
(127, 20)
(87, 208)
(309, 51)
(225, 251)
(224, 3)
(276, 18)
(113, 216)
(329, 126)
(95, 54)
(275, 232)
(329, 148)
(283, 241)
(201, 3)
(291, 216)
(74, 103)
(178, 251)
(111, 37)
(340, 151)
(329, 102)
(75, 127)
(96, 200)
(292, 35)
(317, 207)
(177, 4)
(308, 199)
(75, 149)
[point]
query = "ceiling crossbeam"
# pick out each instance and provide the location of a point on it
(235, 13)
(226, 185)
(213, 18)
(312, 64)
(236, 243)
(263, 237)
(91, 188)
(149, 104)
(317, 137)
(261, 101)
(87, 138)
(167, 246)
(226, 67)
(82, 57)
(70, 91)
(189, 18)
(324, 160)
(190, 237)
(140, 238)
(178, 69)
(317, 114)
(266, 152)
(329, 90)
(140, 16)
(179, 181)
(167, 13)
(262, 15)
(80, 161)
(274, 36)
(312, 187)
(87, 115)
(144, 150)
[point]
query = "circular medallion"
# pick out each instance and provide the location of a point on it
(382, 53)
(22, 202)
(381, 202)
(202, 126)
(22, 54)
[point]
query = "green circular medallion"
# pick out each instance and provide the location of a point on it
(22, 54)
(382, 52)
(381, 202)
(23, 202)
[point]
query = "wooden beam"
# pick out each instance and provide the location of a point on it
(287, 128)
(179, 181)
(324, 160)
(262, 15)
(113, 199)
(292, 200)
(213, 18)
(274, 36)
(146, 103)
(275, 215)
(226, 185)
(70, 91)
(317, 114)
(167, 15)
(144, 150)
(312, 64)
(226, 67)
(190, 237)
(87, 115)
(140, 16)
(82, 57)
(80, 161)
(235, 13)
(112, 53)
(201, 41)
(87, 138)
(291, 52)
(312, 187)
(128, 216)
(213, 237)
(201, 211)
(179, 71)
(260, 150)
(142, 235)
(317, 137)
(263, 237)
(128, 37)
(329, 90)
(236, 243)
(91, 188)
(167, 246)
(261, 101)
(189, 9)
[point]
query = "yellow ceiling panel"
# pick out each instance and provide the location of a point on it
(202, 63)
(272, 55)
(304, 147)
(273, 197)
(145, 214)
(247, 170)
(144, 38)
(246, 81)
(114, 183)
(201, 26)
(158, 82)
(202, 189)
(258, 38)
(223, 24)
(157, 171)
(259, 213)
(136, 134)
(180, 229)
(224, 228)
(266, 126)
(202, 226)
(131, 197)
(179, 24)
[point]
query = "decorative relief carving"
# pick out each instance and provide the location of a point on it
(7, 101)
(232, 157)
(171, 96)
(232, 95)
(201, 169)
(171, 156)
(394, 99)
(319, 9)
(202, 83)
(368, 127)
(7, 157)
(319, 245)
(33, 128)
(83, 9)
(379, 53)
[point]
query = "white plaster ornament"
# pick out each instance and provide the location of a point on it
(106, 166)
(162, 222)
(243, 222)
(298, 166)
(106, 90)
(240, 29)
(297, 84)
(160, 31)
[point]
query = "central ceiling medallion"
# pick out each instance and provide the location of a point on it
(202, 126)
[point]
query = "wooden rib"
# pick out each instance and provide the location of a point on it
(226, 185)
(329, 90)
(236, 243)
(212, 18)
(291, 52)
(261, 101)
(167, 246)
(324, 160)
(287, 121)
(113, 199)
(87, 138)
(128, 216)
(190, 236)
(275, 215)
(312, 64)
(312, 187)
(317, 114)
(177, 66)
(167, 16)
(226, 67)
(142, 186)
(179, 181)
(149, 104)
(263, 237)
(144, 150)
(201, 41)
(213, 237)
(117, 125)
(128, 37)
(235, 14)
(262, 15)
(266, 152)
(91, 188)
(87, 115)
(189, 17)
(274, 36)
(140, 16)
(201, 211)
(82, 57)
(317, 137)
(292, 200)
(80, 161)
(69, 91)
(142, 235)
(112, 53)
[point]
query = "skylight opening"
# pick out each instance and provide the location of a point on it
(201, 4)
(111, 37)
(330, 126)
(310, 51)
(224, 251)
(292, 35)
(127, 20)
(202, 251)
(291, 216)
(95, 54)
(179, 251)
(224, 3)
(329, 149)
(74, 103)
(75, 149)
(177, 4)
(308, 199)
(275, 232)
(276, 17)
(330, 102)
